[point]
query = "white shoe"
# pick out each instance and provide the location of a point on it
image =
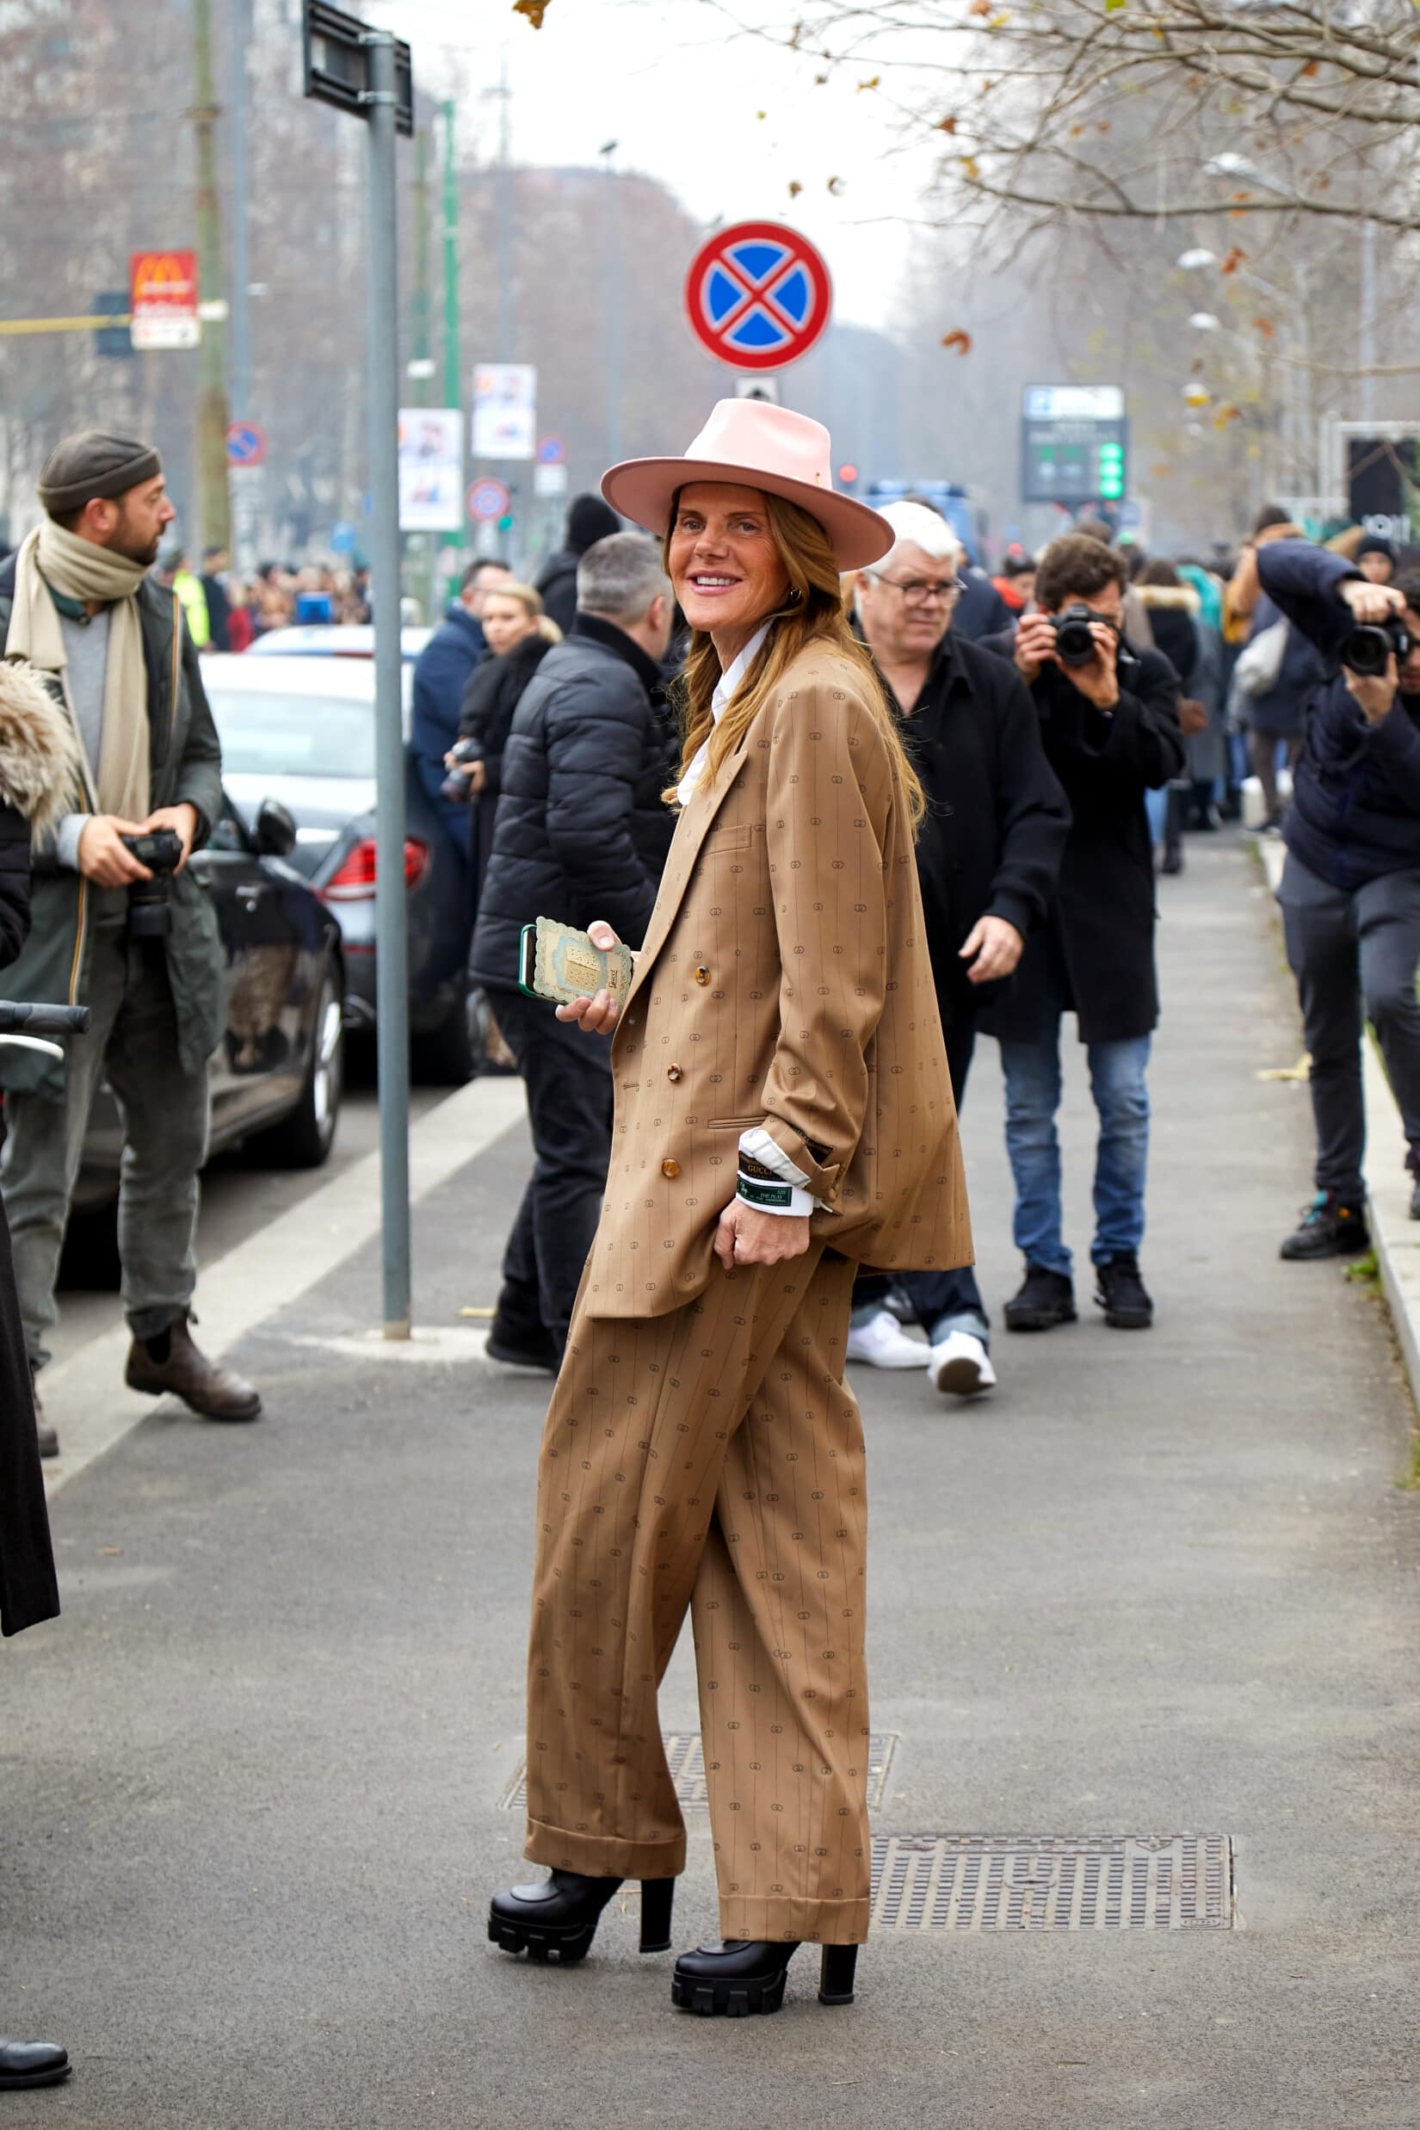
(884, 1344)
(961, 1364)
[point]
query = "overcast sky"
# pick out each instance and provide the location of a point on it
(681, 95)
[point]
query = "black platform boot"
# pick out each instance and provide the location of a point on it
(560, 1916)
(740, 1976)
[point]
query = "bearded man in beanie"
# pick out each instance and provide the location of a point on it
(78, 606)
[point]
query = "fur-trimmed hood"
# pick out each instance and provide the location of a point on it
(40, 771)
(1182, 598)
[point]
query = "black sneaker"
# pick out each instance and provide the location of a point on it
(1121, 1293)
(1045, 1300)
(534, 1350)
(1329, 1229)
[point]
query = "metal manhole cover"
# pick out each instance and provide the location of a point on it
(686, 1760)
(1052, 1882)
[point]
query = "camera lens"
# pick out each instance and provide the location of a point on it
(1366, 650)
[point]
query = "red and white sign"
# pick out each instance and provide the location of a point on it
(162, 295)
(758, 295)
(489, 499)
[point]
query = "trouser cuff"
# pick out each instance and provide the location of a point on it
(604, 1856)
(771, 1919)
(152, 1323)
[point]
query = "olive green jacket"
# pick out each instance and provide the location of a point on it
(186, 768)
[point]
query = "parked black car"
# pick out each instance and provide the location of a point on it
(301, 730)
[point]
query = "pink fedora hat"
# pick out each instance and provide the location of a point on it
(755, 445)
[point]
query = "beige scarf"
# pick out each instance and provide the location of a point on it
(79, 570)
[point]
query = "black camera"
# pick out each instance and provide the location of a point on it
(1074, 642)
(456, 785)
(1370, 644)
(149, 916)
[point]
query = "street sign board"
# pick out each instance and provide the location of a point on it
(430, 469)
(337, 54)
(246, 444)
(1074, 444)
(162, 298)
(549, 480)
(489, 500)
(1383, 485)
(758, 295)
(504, 410)
(113, 340)
(551, 451)
(761, 388)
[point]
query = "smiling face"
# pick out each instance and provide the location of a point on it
(727, 572)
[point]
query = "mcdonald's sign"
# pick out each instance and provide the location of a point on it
(163, 299)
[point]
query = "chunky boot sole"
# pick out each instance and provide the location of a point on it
(732, 1999)
(1128, 1319)
(567, 1942)
(1334, 1246)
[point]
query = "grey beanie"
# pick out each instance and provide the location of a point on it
(94, 464)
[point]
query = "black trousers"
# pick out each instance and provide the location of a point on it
(935, 1295)
(1353, 953)
(569, 1086)
(27, 1587)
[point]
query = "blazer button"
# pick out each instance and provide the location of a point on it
(670, 1170)
(673, 1072)
(702, 976)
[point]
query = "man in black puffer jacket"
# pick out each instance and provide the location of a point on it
(581, 833)
(1350, 889)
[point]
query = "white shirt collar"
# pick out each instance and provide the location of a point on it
(725, 689)
(729, 680)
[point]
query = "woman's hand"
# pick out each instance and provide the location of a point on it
(598, 1015)
(745, 1236)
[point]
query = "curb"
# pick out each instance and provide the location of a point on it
(1395, 1237)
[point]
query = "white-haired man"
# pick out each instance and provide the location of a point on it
(987, 859)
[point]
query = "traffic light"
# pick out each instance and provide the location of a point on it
(1111, 470)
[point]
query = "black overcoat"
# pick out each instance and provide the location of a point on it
(28, 1592)
(1096, 949)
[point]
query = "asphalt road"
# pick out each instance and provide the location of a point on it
(1162, 1583)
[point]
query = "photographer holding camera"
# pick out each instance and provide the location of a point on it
(1109, 720)
(1350, 888)
(119, 923)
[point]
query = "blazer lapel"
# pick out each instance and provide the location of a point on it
(691, 830)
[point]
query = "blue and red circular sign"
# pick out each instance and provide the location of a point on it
(246, 444)
(758, 295)
(489, 499)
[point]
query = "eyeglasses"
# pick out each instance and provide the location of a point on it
(918, 590)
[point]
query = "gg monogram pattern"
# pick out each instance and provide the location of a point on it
(702, 1452)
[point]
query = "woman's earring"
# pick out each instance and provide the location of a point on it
(795, 595)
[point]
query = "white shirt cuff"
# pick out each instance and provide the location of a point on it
(66, 839)
(757, 1143)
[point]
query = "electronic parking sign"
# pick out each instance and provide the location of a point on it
(1074, 445)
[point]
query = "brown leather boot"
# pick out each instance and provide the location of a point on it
(48, 1437)
(187, 1373)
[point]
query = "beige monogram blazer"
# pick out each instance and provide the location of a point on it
(784, 981)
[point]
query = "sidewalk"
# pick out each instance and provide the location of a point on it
(1161, 1585)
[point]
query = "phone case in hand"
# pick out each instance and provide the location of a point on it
(561, 964)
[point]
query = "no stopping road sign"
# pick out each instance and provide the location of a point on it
(758, 295)
(489, 499)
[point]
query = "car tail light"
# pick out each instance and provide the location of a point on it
(355, 881)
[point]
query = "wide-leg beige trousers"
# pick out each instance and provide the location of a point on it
(712, 1458)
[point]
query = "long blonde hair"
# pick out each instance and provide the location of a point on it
(813, 613)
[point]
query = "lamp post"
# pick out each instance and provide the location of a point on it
(611, 283)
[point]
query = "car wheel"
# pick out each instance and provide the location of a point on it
(303, 1139)
(444, 1057)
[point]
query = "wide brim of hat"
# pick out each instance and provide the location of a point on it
(645, 489)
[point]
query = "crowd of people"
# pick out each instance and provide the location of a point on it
(857, 806)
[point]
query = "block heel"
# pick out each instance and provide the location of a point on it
(835, 1980)
(657, 1897)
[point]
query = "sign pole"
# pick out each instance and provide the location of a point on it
(391, 921)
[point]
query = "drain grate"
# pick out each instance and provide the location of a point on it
(686, 1760)
(1052, 1882)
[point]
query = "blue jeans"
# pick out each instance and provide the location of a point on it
(1121, 1095)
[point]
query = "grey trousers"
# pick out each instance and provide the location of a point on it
(1353, 952)
(134, 1038)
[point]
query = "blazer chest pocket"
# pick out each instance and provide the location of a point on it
(728, 839)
